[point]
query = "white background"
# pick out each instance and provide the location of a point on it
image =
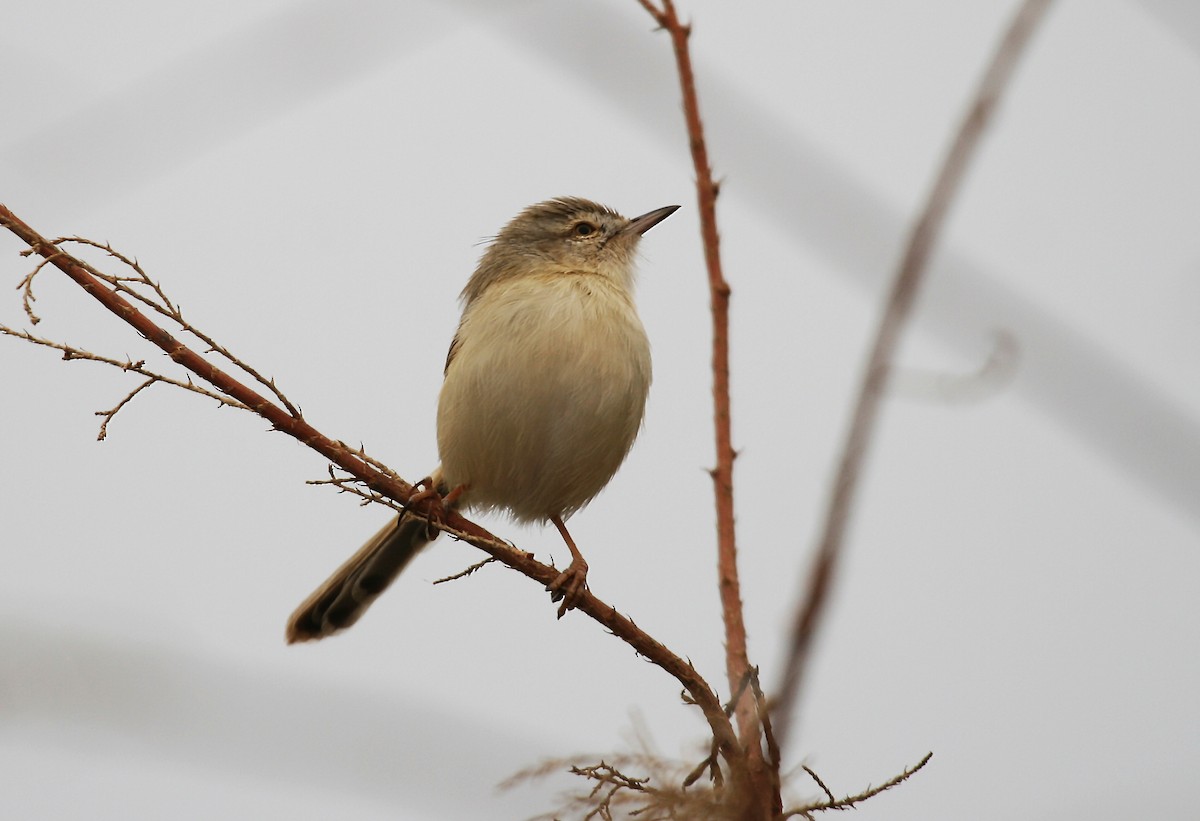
(312, 182)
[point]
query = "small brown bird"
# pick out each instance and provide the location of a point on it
(545, 388)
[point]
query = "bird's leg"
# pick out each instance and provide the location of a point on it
(572, 581)
(438, 503)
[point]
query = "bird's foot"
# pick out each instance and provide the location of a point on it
(439, 502)
(569, 585)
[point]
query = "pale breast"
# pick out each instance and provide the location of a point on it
(545, 394)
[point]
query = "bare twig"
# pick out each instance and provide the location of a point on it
(612, 789)
(467, 572)
(25, 286)
(898, 306)
(764, 717)
(70, 353)
(160, 303)
(850, 801)
(828, 792)
(384, 483)
(709, 765)
(354, 486)
(111, 412)
(737, 661)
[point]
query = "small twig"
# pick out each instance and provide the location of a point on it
(139, 367)
(109, 414)
(764, 717)
(708, 764)
(731, 705)
(606, 775)
(25, 286)
(710, 761)
(464, 573)
(850, 801)
(898, 306)
(163, 305)
(828, 792)
(354, 485)
(737, 659)
(659, 16)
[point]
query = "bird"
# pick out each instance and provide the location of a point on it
(543, 394)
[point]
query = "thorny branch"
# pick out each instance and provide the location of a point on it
(903, 293)
(108, 291)
(737, 660)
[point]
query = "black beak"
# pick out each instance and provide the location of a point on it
(642, 224)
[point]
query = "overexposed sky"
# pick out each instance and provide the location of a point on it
(313, 183)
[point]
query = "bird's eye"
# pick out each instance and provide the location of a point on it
(584, 229)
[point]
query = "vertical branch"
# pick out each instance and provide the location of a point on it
(737, 660)
(899, 304)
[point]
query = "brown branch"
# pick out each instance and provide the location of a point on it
(350, 484)
(850, 801)
(385, 483)
(737, 661)
(899, 304)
